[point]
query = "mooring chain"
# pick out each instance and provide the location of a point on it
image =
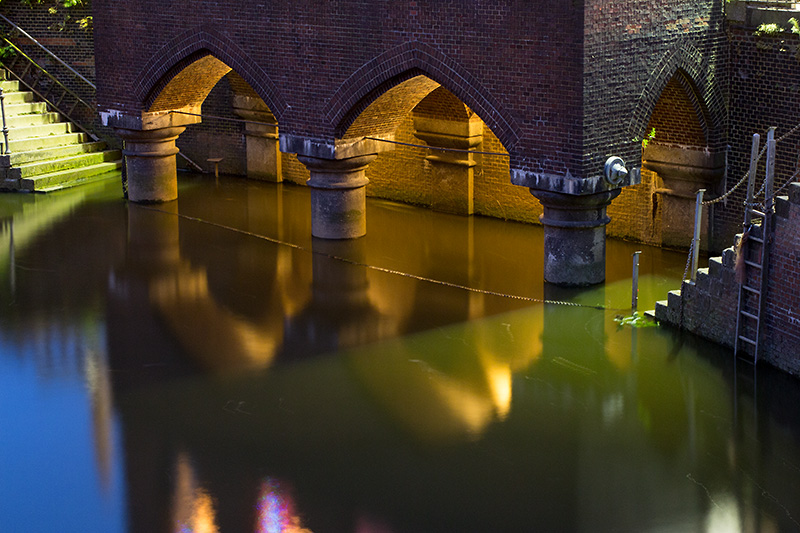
(382, 269)
(688, 261)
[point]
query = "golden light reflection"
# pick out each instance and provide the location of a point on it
(275, 510)
(193, 509)
(99, 383)
(453, 382)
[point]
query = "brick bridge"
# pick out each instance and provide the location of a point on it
(556, 86)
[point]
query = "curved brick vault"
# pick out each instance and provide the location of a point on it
(183, 72)
(403, 64)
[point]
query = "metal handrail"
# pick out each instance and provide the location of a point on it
(5, 126)
(51, 54)
(52, 78)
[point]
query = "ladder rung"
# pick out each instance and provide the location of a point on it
(752, 264)
(751, 289)
(756, 212)
(747, 340)
(757, 239)
(749, 315)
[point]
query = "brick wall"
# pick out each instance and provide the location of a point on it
(317, 66)
(764, 92)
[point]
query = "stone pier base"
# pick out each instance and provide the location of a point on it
(575, 237)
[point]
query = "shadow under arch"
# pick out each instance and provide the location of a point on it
(403, 63)
(212, 50)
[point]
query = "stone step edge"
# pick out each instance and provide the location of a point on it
(75, 161)
(52, 152)
(52, 181)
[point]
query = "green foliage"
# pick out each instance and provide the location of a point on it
(795, 26)
(650, 137)
(62, 12)
(635, 320)
(768, 30)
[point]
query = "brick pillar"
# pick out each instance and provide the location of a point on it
(452, 173)
(338, 196)
(150, 163)
(261, 137)
(574, 236)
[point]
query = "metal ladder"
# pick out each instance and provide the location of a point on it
(752, 299)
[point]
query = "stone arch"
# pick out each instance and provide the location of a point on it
(403, 63)
(213, 49)
(695, 74)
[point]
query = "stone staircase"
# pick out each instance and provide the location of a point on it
(708, 306)
(47, 153)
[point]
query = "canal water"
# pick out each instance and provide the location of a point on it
(206, 366)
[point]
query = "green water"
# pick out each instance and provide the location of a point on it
(206, 366)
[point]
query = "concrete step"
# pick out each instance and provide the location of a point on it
(57, 152)
(25, 108)
(32, 119)
(50, 166)
(69, 178)
(36, 143)
(18, 97)
(42, 130)
(9, 85)
(66, 163)
(715, 267)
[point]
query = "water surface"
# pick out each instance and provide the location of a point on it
(205, 365)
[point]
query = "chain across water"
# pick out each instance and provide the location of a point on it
(382, 269)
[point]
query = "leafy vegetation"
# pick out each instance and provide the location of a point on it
(62, 11)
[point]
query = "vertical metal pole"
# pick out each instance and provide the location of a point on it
(635, 287)
(698, 218)
(769, 185)
(751, 180)
(6, 150)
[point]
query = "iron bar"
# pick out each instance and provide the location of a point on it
(769, 180)
(6, 149)
(635, 278)
(751, 183)
(51, 54)
(698, 217)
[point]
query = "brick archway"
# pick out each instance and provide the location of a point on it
(196, 44)
(407, 61)
(692, 68)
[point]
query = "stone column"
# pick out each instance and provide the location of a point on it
(338, 196)
(574, 236)
(261, 137)
(150, 163)
(682, 171)
(452, 173)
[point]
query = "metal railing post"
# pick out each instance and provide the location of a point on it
(6, 149)
(769, 184)
(635, 278)
(751, 180)
(698, 217)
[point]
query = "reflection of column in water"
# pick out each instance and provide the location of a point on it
(12, 267)
(340, 313)
(137, 339)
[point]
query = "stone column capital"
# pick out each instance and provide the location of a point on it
(150, 163)
(338, 195)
